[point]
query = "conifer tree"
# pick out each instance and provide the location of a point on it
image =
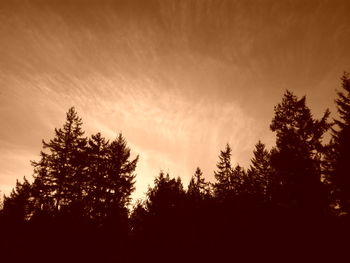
(17, 207)
(60, 174)
(92, 178)
(338, 155)
(223, 174)
(197, 187)
(296, 160)
(119, 180)
(239, 181)
(165, 206)
(259, 173)
(166, 195)
(96, 188)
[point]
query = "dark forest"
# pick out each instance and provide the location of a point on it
(291, 204)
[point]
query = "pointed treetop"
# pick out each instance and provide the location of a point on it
(343, 101)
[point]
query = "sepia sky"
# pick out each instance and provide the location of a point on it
(179, 79)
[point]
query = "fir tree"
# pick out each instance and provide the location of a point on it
(296, 160)
(223, 174)
(197, 187)
(96, 187)
(338, 155)
(17, 207)
(239, 181)
(166, 195)
(60, 174)
(120, 177)
(259, 173)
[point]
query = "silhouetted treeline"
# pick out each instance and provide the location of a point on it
(292, 203)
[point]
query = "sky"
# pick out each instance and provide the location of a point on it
(179, 79)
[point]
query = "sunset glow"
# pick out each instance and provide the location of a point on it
(179, 79)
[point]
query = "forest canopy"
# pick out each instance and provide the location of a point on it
(292, 196)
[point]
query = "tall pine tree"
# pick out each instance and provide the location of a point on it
(60, 175)
(96, 188)
(259, 173)
(338, 156)
(223, 175)
(296, 160)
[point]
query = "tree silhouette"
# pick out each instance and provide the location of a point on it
(338, 155)
(239, 181)
(118, 185)
(296, 160)
(80, 195)
(164, 220)
(198, 188)
(96, 188)
(223, 175)
(259, 173)
(17, 206)
(60, 174)
(77, 208)
(120, 172)
(231, 182)
(166, 196)
(91, 178)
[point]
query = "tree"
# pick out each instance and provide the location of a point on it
(166, 195)
(17, 207)
(80, 194)
(1, 201)
(120, 172)
(239, 181)
(91, 178)
(118, 184)
(198, 187)
(296, 160)
(259, 173)
(96, 188)
(166, 214)
(138, 220)
(229, 181)
(338, 155)
(223, 174)
(60, 175)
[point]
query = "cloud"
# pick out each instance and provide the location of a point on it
(178, 79)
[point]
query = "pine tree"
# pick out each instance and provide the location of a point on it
(96, 187)
(87, 178)
(166, 195)
(338, 155)
(223, 174)
(197, 187)
(118, 184)
(165, 205)
(296, 160)
(120, 177)
(259, 173)
(238, 181)
(60, 174)
(17, 207)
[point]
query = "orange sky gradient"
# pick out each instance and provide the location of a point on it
(179, 79)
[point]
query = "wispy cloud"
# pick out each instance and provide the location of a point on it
(178, 78)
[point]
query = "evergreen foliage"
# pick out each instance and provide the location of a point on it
(338, 154)
(77, 207)
(223, 175)
(260, 174)
(296, 159)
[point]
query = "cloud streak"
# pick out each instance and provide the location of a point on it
(178, 78)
